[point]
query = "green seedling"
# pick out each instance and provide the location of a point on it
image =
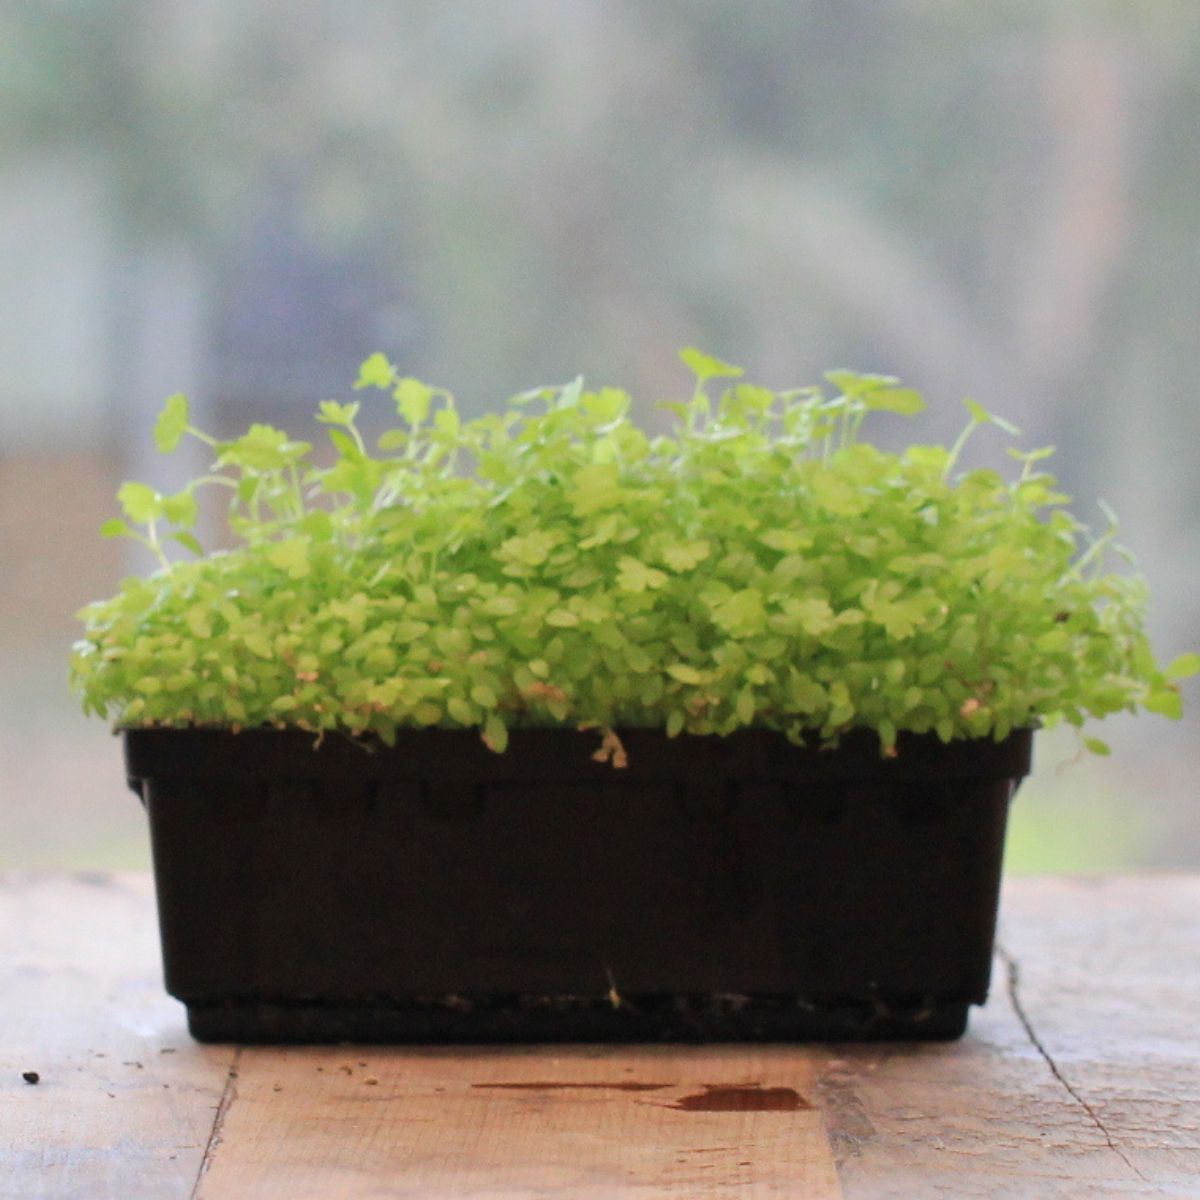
(554, 564)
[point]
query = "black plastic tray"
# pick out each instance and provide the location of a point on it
(715, 888)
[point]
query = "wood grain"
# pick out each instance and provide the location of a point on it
(125, 1099)
(1081, 1078)
(1107, 975)
(573, 1122)
(1087, 1086)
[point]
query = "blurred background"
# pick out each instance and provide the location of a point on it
(242, 201)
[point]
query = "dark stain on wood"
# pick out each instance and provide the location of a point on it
(745, 1097)
(623, 1085)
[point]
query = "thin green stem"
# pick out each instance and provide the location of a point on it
(297, 494)
(958, 447)
(204, 437)
(1092, 553)
(155, 545)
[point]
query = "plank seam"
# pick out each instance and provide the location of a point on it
(1013, 974)
(228, 1096)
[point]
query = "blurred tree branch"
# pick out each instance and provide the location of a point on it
(1082, 212)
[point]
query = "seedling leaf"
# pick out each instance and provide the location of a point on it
(172, 423)
(705, 366)
(1183, 667)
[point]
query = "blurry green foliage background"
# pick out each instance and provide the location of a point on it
(242, 201)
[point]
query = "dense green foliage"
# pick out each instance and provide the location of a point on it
(556, 564)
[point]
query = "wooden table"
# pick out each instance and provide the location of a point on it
(1081, 1078)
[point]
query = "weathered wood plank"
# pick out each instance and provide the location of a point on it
(1106, 973)
(125, 1100)
(1102, 1101)
(1080, 1079)
(571, 1122)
